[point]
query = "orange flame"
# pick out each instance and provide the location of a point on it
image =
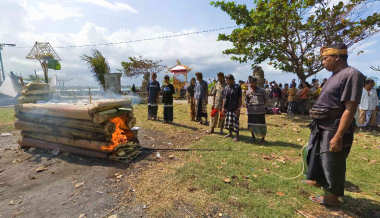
(120, 135)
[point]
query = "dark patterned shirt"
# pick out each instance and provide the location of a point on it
(153, 91)
(232, 94)
(167, 93)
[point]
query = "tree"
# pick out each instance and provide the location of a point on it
(139, 66)
(289, 34)
(98, 65)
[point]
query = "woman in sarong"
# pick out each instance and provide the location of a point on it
(255, 101)
(292, 105)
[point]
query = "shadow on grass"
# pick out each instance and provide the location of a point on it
(300, 119)
(180, 125)
(248, 139)
(359, 207)
(351, 187)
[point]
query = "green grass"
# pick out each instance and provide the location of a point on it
(260, 187)
(6, 119)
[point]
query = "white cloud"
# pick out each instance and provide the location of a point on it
(201, 52)
(116, 6)
(49, 10)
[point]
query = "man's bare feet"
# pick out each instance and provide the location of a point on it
(327, 200)
(312, 183)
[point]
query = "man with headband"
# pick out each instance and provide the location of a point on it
(332, 128)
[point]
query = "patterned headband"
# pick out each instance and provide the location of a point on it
(332, 51)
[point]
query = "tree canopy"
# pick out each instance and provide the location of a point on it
(141, 66)
(289, 34)
(98, 65)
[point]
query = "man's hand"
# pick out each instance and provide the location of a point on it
(336, 144)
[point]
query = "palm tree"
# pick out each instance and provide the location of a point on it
(98, 65)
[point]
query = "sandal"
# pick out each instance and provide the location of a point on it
(228, 135)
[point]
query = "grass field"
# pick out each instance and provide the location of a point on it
(240, 179)
(6, 119)
(244, 179)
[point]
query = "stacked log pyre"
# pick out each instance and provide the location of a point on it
(34, 92)
(101, 129)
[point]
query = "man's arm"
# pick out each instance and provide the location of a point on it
(336, 143)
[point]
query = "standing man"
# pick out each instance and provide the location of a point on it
(153, 96)
(201, 98)
(332, 128)
(167, 99)
(190, 98)
(231, 106)
(368, 106)
(217, 118)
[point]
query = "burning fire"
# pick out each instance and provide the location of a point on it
(120, 135)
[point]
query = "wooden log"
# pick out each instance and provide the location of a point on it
(77, 111)
(104, 116)
(65, 110)
(36, 86)
(107, 128)
(81, 143)
(32, 99)
(59, 131)
(103, 105)
(26, 92)
(30, 142)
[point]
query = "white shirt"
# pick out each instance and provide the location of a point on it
(369, 100)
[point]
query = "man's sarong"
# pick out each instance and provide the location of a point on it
(232, 122)
(168, 112)
(257, 125)
(152, 111)
(327, 168)
(201, 108)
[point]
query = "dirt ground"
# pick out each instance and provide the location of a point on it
(38, 183)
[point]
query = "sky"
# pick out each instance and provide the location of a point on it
(79, 22)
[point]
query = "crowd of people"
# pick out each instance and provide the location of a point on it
(332, 105)
(228, 97)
